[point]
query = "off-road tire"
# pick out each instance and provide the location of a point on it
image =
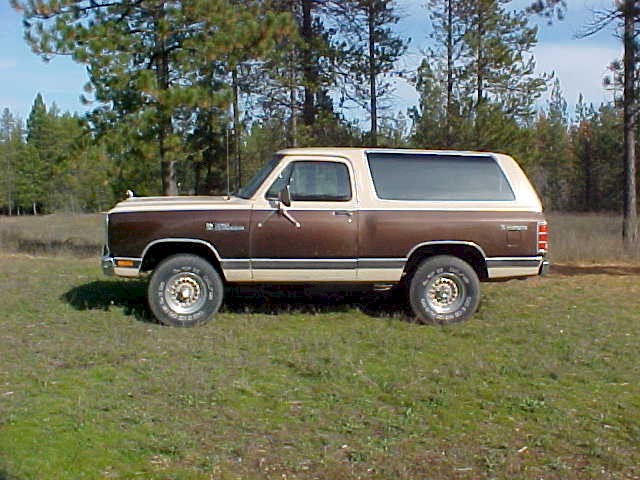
(444, 289)
(184, 290)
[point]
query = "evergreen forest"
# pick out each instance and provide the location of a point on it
(192, 96)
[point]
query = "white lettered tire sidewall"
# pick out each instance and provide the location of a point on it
(201, 273)
(457, 272)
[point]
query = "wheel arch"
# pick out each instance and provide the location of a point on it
(158, 250)
(470, 252)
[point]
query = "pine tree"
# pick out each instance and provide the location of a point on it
(144, 60)
(443, 60)
(370, 53)
(608, 148)
(35, 169)
(430, 125)
(555, 169)
(499, 69)
(583, 148)
(11, 142)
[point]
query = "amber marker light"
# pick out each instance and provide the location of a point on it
(124, 263)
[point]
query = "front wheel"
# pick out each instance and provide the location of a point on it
(185, 290)
(444, 289)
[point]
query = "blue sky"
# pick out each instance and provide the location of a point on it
(579, 63)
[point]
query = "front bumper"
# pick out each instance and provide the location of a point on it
(108, 265)
(121, 266)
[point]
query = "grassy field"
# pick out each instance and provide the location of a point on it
(541, 383)
(312, 384)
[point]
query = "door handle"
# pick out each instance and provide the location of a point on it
(344, 213)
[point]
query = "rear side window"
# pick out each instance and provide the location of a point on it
(438, 177)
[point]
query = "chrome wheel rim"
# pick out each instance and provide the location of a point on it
(445, 293)
(185, 293)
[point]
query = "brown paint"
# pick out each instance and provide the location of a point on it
(371, 234)
(393, 234)
(130, 233)
(322, 234)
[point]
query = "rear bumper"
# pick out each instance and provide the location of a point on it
(544, 268)
(121, 266)
(513, 267)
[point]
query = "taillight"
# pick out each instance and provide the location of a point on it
(543, 237)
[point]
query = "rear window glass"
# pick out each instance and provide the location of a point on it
(400, 176)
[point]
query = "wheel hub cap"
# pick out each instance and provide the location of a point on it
(184, 293)
(445, 293)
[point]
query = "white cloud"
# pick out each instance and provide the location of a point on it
(580, 67)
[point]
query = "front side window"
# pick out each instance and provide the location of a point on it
(433, 177)
(314, 181)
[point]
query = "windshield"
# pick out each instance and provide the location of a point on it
(250, 188)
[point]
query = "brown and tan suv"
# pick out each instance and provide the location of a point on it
(436, 222)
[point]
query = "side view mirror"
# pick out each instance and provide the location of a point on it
(284, 196)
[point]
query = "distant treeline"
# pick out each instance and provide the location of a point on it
(184, 91)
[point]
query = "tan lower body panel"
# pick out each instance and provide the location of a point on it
(379, 274)
(321, 275)
(243, 275)
(304, 275)
(506, 272)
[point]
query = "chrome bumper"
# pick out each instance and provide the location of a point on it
(544, 268)
(108, 265)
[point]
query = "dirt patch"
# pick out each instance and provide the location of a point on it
(571, 270)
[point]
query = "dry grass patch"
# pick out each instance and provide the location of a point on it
(58, 234)
(589, 238)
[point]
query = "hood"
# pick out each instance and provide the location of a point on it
(158, 204)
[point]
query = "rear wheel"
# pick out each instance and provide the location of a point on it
(444, 289)
(185, 290)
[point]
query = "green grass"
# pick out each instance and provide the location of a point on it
(541, 383)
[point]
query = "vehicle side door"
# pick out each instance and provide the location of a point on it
(313, 239)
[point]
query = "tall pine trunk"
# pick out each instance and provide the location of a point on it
(293, 104)
(480, 71)
(630, 220)
(167, 164)
(448, 125)
(308, 68)
(372, 76)
(236, 127)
